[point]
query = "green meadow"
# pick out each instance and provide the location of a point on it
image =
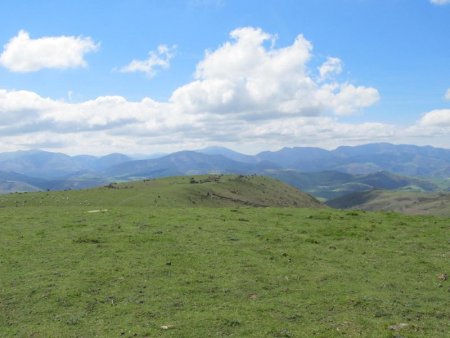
(125, 261)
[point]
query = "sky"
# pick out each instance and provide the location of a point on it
(147, 76)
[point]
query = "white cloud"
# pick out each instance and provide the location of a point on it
(332, 66)
(247, 93)
(112, 123)
(23, 54)
(156, 59)
(350, 98)
(433, 128)
(244, 77)
(24, 111)
(440, 2)
(436, 118)
(447, 95)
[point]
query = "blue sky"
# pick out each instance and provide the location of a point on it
(149, 76)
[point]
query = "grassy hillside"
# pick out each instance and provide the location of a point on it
(183, 191)
(14, 186)
(13, 182)
(112, 262)
(408, 202)
(328, 185)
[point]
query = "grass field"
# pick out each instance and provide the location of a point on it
(112, 269)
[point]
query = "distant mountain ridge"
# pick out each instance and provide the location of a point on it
(186, 163)
(299, 166)
(48, 165)
(407, 160)
(231, 154)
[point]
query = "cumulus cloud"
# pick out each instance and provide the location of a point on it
(332, 66)
(24, 54)
(436, 118)
(433, 128)
(26, 111)
(159, 59)
(244, 77)
(440, 2)
(112, 123)
(246, 92)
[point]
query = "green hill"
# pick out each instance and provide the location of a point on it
(407, 202)
(328, 185)
(182, 191)
(14, 186)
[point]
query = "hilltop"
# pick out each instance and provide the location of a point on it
(182, 191)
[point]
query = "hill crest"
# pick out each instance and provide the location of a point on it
(180, 191)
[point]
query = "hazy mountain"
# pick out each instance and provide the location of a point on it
(85, 161)
(401, 159)
(324, 173)
(7, 187)
(407, 160)
(147, 156)
(110, 160)
(228, 153)
(38, 163)
(79, 180)
(37, 183)
(48, 165)
(14, 182)
(301, 158)
(185, 163)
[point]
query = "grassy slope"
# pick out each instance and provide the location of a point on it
(232, 271)
(208, 190)
(327, 185)
(15, 186)
(414, 203)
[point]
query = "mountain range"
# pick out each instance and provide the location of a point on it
(324, 173)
